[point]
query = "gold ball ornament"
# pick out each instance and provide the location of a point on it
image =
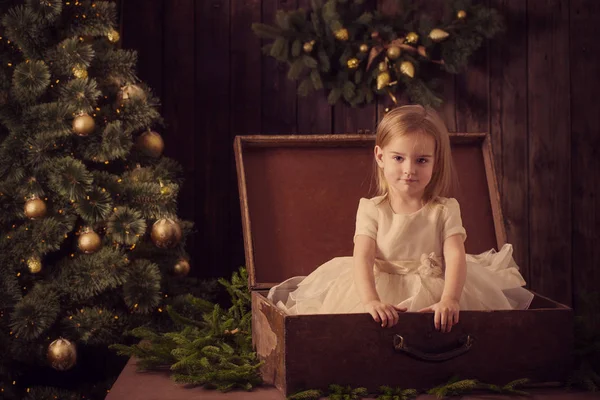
(62, 354)
(131, 92)
(407, 69)
(80, 72)
(150, 143)
(34, 264)
(342, 34)
(437, 35)
(113, 36)
(83, 124)
(393, 52)
(387, 110)
(353, 63)
(383, 80)
(412, 38)
(166, 233)
(461, 14)
(308, 46)
(182, 268)
(364, 48)
(35, 208)
(89, 242)
(382, 66)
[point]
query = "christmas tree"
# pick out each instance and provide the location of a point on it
(90, 242)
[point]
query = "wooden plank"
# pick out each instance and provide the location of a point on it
(179, 110)
(245, 74)
(147, 42)
(212, 149)
(472, 91)
(278, 92)
(508, 125)
(549, 149)
(314, 112)
(585, 142)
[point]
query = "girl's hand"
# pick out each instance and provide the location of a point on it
(446, 314)
(387, 314)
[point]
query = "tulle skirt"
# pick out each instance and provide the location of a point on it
(493, 282)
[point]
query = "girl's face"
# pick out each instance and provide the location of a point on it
(407, 163)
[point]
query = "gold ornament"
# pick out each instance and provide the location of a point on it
(89, 242)
(386, 110)
(130, 92)
(80, 72)
(342, 34)
(182, 268)
(34, 264)
(353, 63)
(393, 52)
(364, 48)
(437, 35)
(164, 189)
(422, 51)
(35, 208)
(150, 143)
(407, 68)
(462, 14)
(83, 124)
(383, 66)
(113, 36)
(412, 37)
(166, 233)
(383, 79)
(62, 354)
(308, 46)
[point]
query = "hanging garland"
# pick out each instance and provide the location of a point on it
(355, 53)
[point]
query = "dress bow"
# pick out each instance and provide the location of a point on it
(430, 265)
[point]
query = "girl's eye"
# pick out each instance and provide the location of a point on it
(397, 158)
(422, 160)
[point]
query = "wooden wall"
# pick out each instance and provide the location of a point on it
(534, 89)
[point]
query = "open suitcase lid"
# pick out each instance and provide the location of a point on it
(299, 195)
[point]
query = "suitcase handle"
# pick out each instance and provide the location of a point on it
(400, 345)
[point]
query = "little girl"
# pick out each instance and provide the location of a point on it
(409, 252)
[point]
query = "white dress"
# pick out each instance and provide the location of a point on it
(409, 266)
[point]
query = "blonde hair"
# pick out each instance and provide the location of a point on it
(411, 119)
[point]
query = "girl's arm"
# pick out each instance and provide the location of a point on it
(456, 267)
(364, 259)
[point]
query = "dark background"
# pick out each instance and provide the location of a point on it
(534, 89)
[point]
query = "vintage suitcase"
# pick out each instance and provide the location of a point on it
(299, 196)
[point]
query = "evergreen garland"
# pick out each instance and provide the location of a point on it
(212, 348)
(355, 53)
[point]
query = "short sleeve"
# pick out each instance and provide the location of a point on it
(366, 219)
(452, 220)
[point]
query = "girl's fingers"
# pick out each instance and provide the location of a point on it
(384, 318)
(449, 322)
(374, 315)
(443, 320)
(390, 316)
(437, 319)
(393, 315)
